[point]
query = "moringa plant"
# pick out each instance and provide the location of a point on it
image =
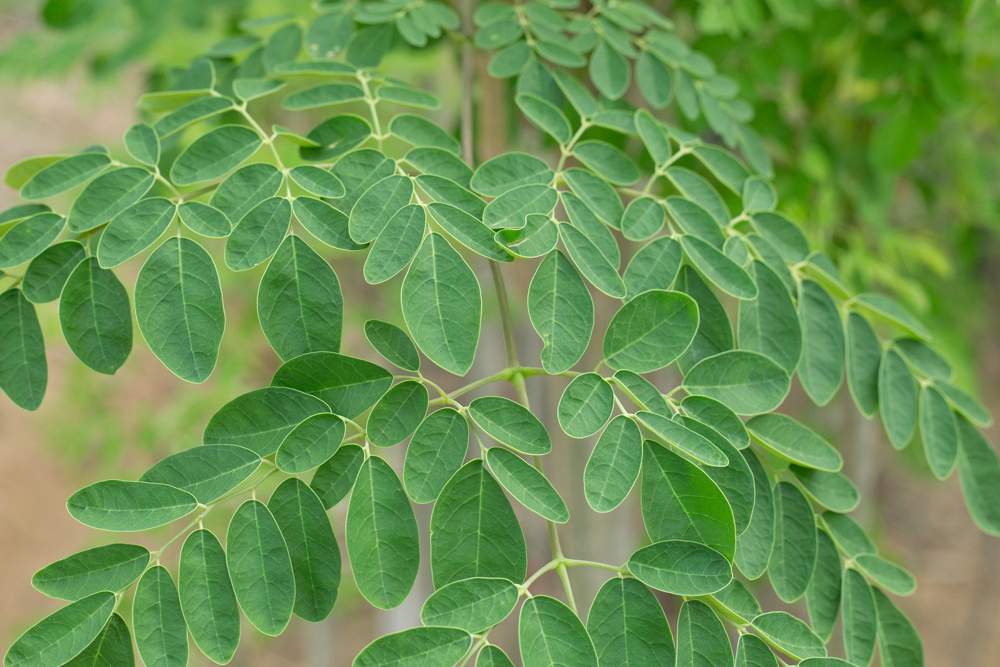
(719, 305)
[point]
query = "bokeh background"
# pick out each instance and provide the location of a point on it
(882, 119)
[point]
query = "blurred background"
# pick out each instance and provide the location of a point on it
(881, 118)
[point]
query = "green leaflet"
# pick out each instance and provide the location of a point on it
(965, 403)
(142, 144)
(257, 236)
(259, 420)
(396, 244)
(793, 558)
(783, 234)
(381, 534)
(299, 302)
(244, 189)
(397, 414)
(821, 367)
(595, 194)
(655, 80)
(207, 597)
(550, 634)
(715, 333)
(47, 274)
(650, 331)
(419, 131)
(897, 399)
(160, 629)
(317, 181)
(585, 405)
(191, 112)
(701, 637)
(924, 358)
(206, 472)
(178, 304)
(424, 646)
(528, 485)
(61, 636)
(606, 161)
(471, 514)
(260, 567)
(681, 567)
(436, 450)
(204, 219)
(609, 71)
(823, 592)
(735, 478)
(614, 465)
(795, 442)
(736, 602)
(769, 324)
(111, 648)
(96, 317)
(28, 238)
(108, 195)
(790, 635)
(545, 116)
(469, 231)
(890, 311)
(653, 266)
(214, 153)
(511, 209)
(680, 502)
(938, 431)
(653, 135)
(392, 343)
(358, 171)
(864, 356)
(376, 207)
(719, 417)
(129, 506)
(754, 545)
(538, 237)
(508, 171)
(589, 259)
(442, 163)
(442, 305)
(450, 195)
(108, 568)
(18, 213)
(347, 385)
(693, 444)
(313, 441)
(898, 641)
(493, 656)
(628, 627)
(753, 652)
(312, 546)
(723, 272)
(859, 622)
(335, 478)
(692, 218)
(851, 539)
(979, 474)
(832, 490)
(473, 605)
(511, 424)
(561, 311)
(643, 393)
(134, 229)
(63, 174)
(887, 575)
(323, 95)
(746, 382)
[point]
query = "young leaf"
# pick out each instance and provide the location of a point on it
(61, 636)
(397, 414)
(627, 626)
(681, 567)
(347, 385)
(510, 424)
(259, 420)
(178, 304)
(769, 324)
(789, 634)
(381, 534)
(859, 621)
(746, 382)
(313, 441)
(549, 634)
(614, 465)
(795, 442)
(897, 399)
(108, 568)
(473, 605)
(442, 305)
(207, 597)
(260, 567)
(430, 646)
(793, 558)
(680, 502)
(754, 545)
(585, 405)
(214, 154)
(206, 472)
(527, 484)
(299, 302)
(650, 331)
(471, 514)
(129, 506)
(701, 637)
(312, 546)
(822, 365)
(96, 317)
(335, 478)
(864, 356)
(823, 592)
(561, 311)
(158, 622)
